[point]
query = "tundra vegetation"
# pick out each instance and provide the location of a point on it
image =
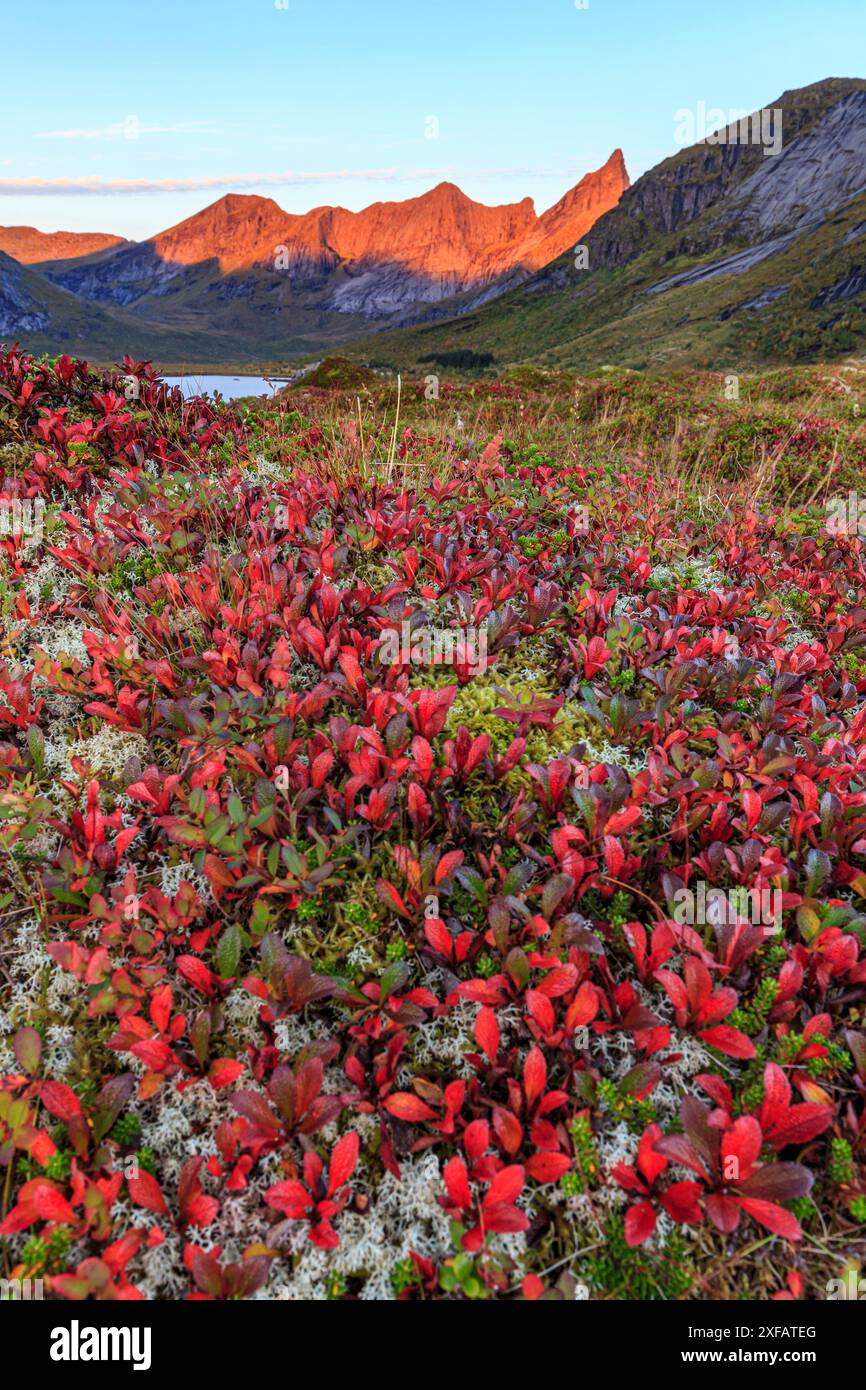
(337, 965)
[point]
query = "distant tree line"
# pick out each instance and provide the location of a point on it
(463, 359)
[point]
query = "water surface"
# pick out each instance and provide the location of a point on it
(229, 387)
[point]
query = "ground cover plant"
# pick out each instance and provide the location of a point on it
(342, 952)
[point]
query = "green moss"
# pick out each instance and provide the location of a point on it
(620, 1272)
(47, 1254)
(857, 1208)
(404, 1276)
(841, 1166)
(753, 1017)
(585, 1173)
(474, 706)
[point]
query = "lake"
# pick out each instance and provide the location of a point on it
(229, 387)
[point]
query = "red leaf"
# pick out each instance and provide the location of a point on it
(728, 1040)
(614, 855)
(583, 1007)
(741, 1148)
(802, 1123)
(640, 1222)
(145, 1192)
(291, 1198)
(439, 937)
(201, 1210)
(197, 973)
(224, 1071)
(60, 1100)
(558, 981)
(548, 1167)
(219, 876)
(506, 1186)
(387, 890)
(753, 806)
(509, 1130)
(476, 1138)
(503, 1217)
(160, 1007)
(680, 1201)
(623, 820)
(51, 1205)
(344, 1160)
(534, 1076)
(487, 1033)
(723, 1212)
(457, 1183)
(650, 1162)
(675, 988)
(405, 1106)
(155, 1054)
(541, 1011)
(447, 864)
(775, 1218)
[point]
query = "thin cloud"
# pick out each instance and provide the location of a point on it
(95, 186)
(130, 129)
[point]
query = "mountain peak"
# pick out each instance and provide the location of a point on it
(241, 203)
(564, 224)
(446, 189)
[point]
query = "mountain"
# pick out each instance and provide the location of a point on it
(245, 278)
(29, 246)
(46, 318)
(720, 256)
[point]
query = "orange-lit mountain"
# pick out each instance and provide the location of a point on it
(442, 233)
(442, 243)
(29, 246)
(250, 279)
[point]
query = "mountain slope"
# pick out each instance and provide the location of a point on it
(46, 318)
(719, 256)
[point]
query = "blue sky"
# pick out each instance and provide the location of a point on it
(332, 99)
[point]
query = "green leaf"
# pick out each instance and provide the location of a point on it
(260, 917)
(472, 881)
(393, 978)
(28, 1050)
(518, 967)
(640, 1080)
(556, 889)
(36, 747)
(229, 953)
